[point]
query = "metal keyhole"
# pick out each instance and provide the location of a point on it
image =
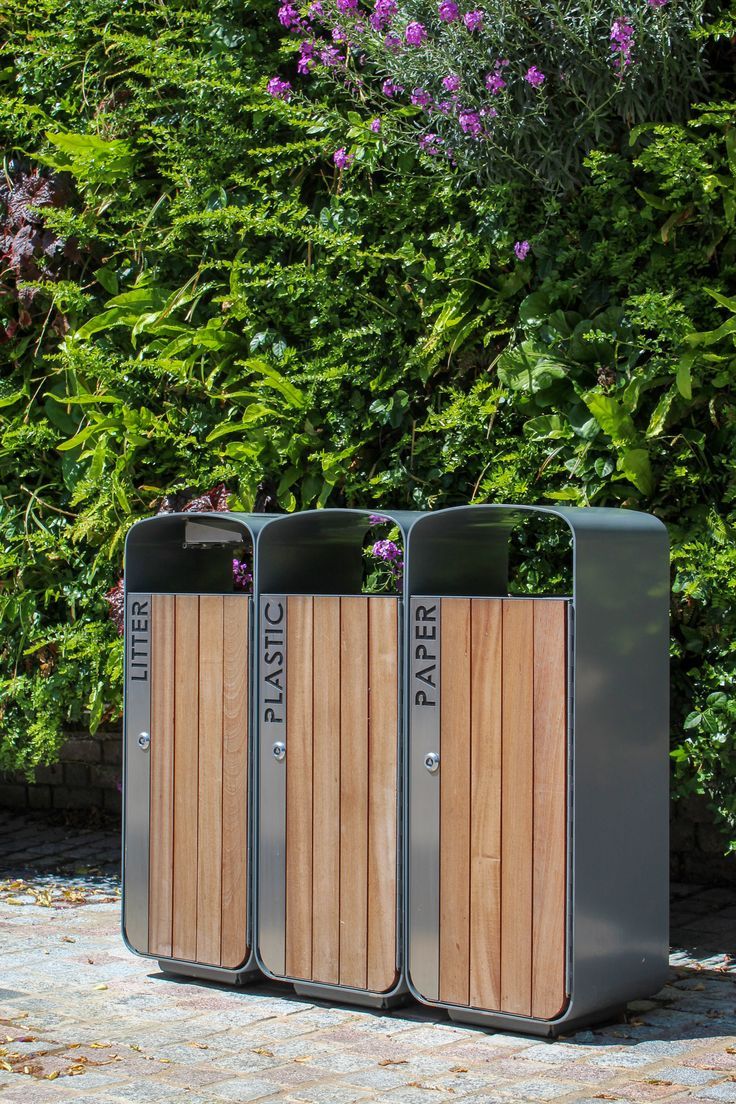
(432, 762)
(279, 752)
(144, 741)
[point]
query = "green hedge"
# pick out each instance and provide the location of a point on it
(193, 293)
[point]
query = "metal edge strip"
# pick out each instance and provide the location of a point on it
(423, 799)
(136, 770)
(270, 730)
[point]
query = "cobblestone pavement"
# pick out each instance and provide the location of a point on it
(83, 1020)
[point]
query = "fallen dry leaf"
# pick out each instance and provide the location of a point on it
(264, 1051)
(394, 1062)
(101, 985)
(52, 1076)
(656, 1081)
(304, 1058)
(458, 1069)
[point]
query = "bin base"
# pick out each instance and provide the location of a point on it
(247, 974)
(352, 996)
(538, 1028)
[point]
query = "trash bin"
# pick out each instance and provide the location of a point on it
(329, 773)
(186, 833)
(537, 845)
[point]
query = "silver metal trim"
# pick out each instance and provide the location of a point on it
(423, 801)
(137, 769)
(271, 729)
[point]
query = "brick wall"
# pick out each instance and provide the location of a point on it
(88, 776)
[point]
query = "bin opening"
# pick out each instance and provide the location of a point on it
(188, 554)
(540, 557)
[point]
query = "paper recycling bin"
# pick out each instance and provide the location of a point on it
(186, 831)
(329, 798)
(537, 846)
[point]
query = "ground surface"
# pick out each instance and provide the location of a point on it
(83, 1020)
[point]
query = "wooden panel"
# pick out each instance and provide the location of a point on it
(517, 807)
(186, 776)
(161, 846)
(299, 788)
(382, 768)
(326, 792)
(209, 849)
(353, 791)
(550, 800)
(454, 801)
(234, 947)
(485, 837)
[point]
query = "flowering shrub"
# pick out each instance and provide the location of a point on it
(508, 92)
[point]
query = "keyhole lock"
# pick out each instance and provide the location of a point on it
(144, 741)
(279, 751)
(432, 762)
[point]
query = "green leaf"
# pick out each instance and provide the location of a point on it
(636, 467)
(611, 416)
(683, 375)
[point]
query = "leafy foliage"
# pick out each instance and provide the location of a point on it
(226, 306)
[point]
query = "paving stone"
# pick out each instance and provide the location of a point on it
(725, 1090)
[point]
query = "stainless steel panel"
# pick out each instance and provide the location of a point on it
(271, 725)
(137, 769)
(424, 797)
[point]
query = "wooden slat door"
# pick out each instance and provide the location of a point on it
(199, 778)
(342, 659)
(503, 802)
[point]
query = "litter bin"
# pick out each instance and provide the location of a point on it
(186, 831)
(537, 845)
(329, 772)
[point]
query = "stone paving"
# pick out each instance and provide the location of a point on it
(83, 1020)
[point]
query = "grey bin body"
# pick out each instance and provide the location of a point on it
(330, 763)
(610, 902)
(187, 725)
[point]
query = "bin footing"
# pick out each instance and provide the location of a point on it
(196, 972)
(351, 996)
(539, 1028)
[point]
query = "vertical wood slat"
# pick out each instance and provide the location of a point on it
(485, 837)
(326, 791)
(186, 777)
(299, 788)
(161, 836)
(234, 948)
(382, 796)
(209, 849)
(550, 808)
(353, 791)
(517, 807)
(454, 801)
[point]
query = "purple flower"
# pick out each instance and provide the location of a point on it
(473, 20)
(622, 41)
(416, 34)
(339, 34)
(470, 123)
(288, 15)
(430, 143)
(377, 519)
(376, 126)
(330, 56)
(535, 77)
(448, 11)
(451, 83)
(420, 97)
(657, 3)
(390, 88)
(386, 550)
(242, 576)
(346, 5)
(383, 13)
(306, 57)
(392, 42)
(521, 249)
(278, 88)
(341, 158)
(314, 9)
(495, 83)
(444, 107)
